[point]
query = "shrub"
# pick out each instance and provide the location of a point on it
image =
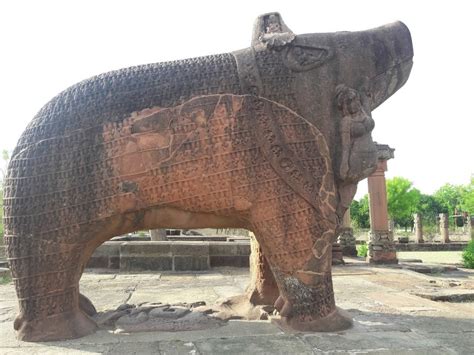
(5, 279)
(468, 255)
(362, 250)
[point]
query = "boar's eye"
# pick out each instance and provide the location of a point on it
(301, 58)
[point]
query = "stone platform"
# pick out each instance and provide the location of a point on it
(194, 255)
(393, 311)
(170, 255)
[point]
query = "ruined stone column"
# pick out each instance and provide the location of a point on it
(381, 247)
(471, 224)
(346, 236)
(158, 234)
(418, 228)
(337, 258)
(444, 227)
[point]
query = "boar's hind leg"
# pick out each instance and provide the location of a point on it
(297, 245)
(46, 278)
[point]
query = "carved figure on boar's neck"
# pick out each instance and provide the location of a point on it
(273, 138)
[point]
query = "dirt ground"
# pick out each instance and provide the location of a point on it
(394, 310)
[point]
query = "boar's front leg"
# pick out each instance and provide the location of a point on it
(297, 244)
(263, 289)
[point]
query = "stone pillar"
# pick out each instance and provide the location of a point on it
(346, 236)
(444, 227)
(381, 247)
(337, 254)
(418, 228)
(471, 226)
(158, 234)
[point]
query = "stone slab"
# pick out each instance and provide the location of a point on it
(375, 341)
(190, 248)
(429, 269)
(279, 344)
(190, 263)
(229, 248)
(453, 246)
(141, 263)
(448, 295)
(104, 261)
(145, 248)
(229, 260)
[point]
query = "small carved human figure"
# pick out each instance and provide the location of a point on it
(356, 122)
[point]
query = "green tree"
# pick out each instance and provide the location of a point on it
(449, 197)
(467, 198)
(403, 200)
(429, 206)
(360, 212)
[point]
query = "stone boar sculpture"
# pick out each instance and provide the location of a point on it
(273, 138)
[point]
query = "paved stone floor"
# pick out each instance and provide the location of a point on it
(392, 310)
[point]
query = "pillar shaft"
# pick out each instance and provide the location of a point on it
(471, 224)
(378, 198)
(381, 247)
(418, 228)
(157, 234)
(444, 227)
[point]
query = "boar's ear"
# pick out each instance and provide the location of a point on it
(271, 32)
(302, 58)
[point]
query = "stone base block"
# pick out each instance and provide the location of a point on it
(349, 250)
(381, 248)
(347, 242)
(383, 257)
(167, 255)
(229, 260)
(104, 262)
(141, 263)
(106, 256)
(190, 263)
(337, 254)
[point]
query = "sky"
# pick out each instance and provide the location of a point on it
(47, 46)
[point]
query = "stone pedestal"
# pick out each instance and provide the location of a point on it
(381, 247)
(347, 240)
(471, 226)
(418, 228)
(444, 227)
(158, 234)
(337, 254)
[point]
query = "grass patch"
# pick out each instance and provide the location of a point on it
(6, 279)
(362, 250)
(468, 255)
